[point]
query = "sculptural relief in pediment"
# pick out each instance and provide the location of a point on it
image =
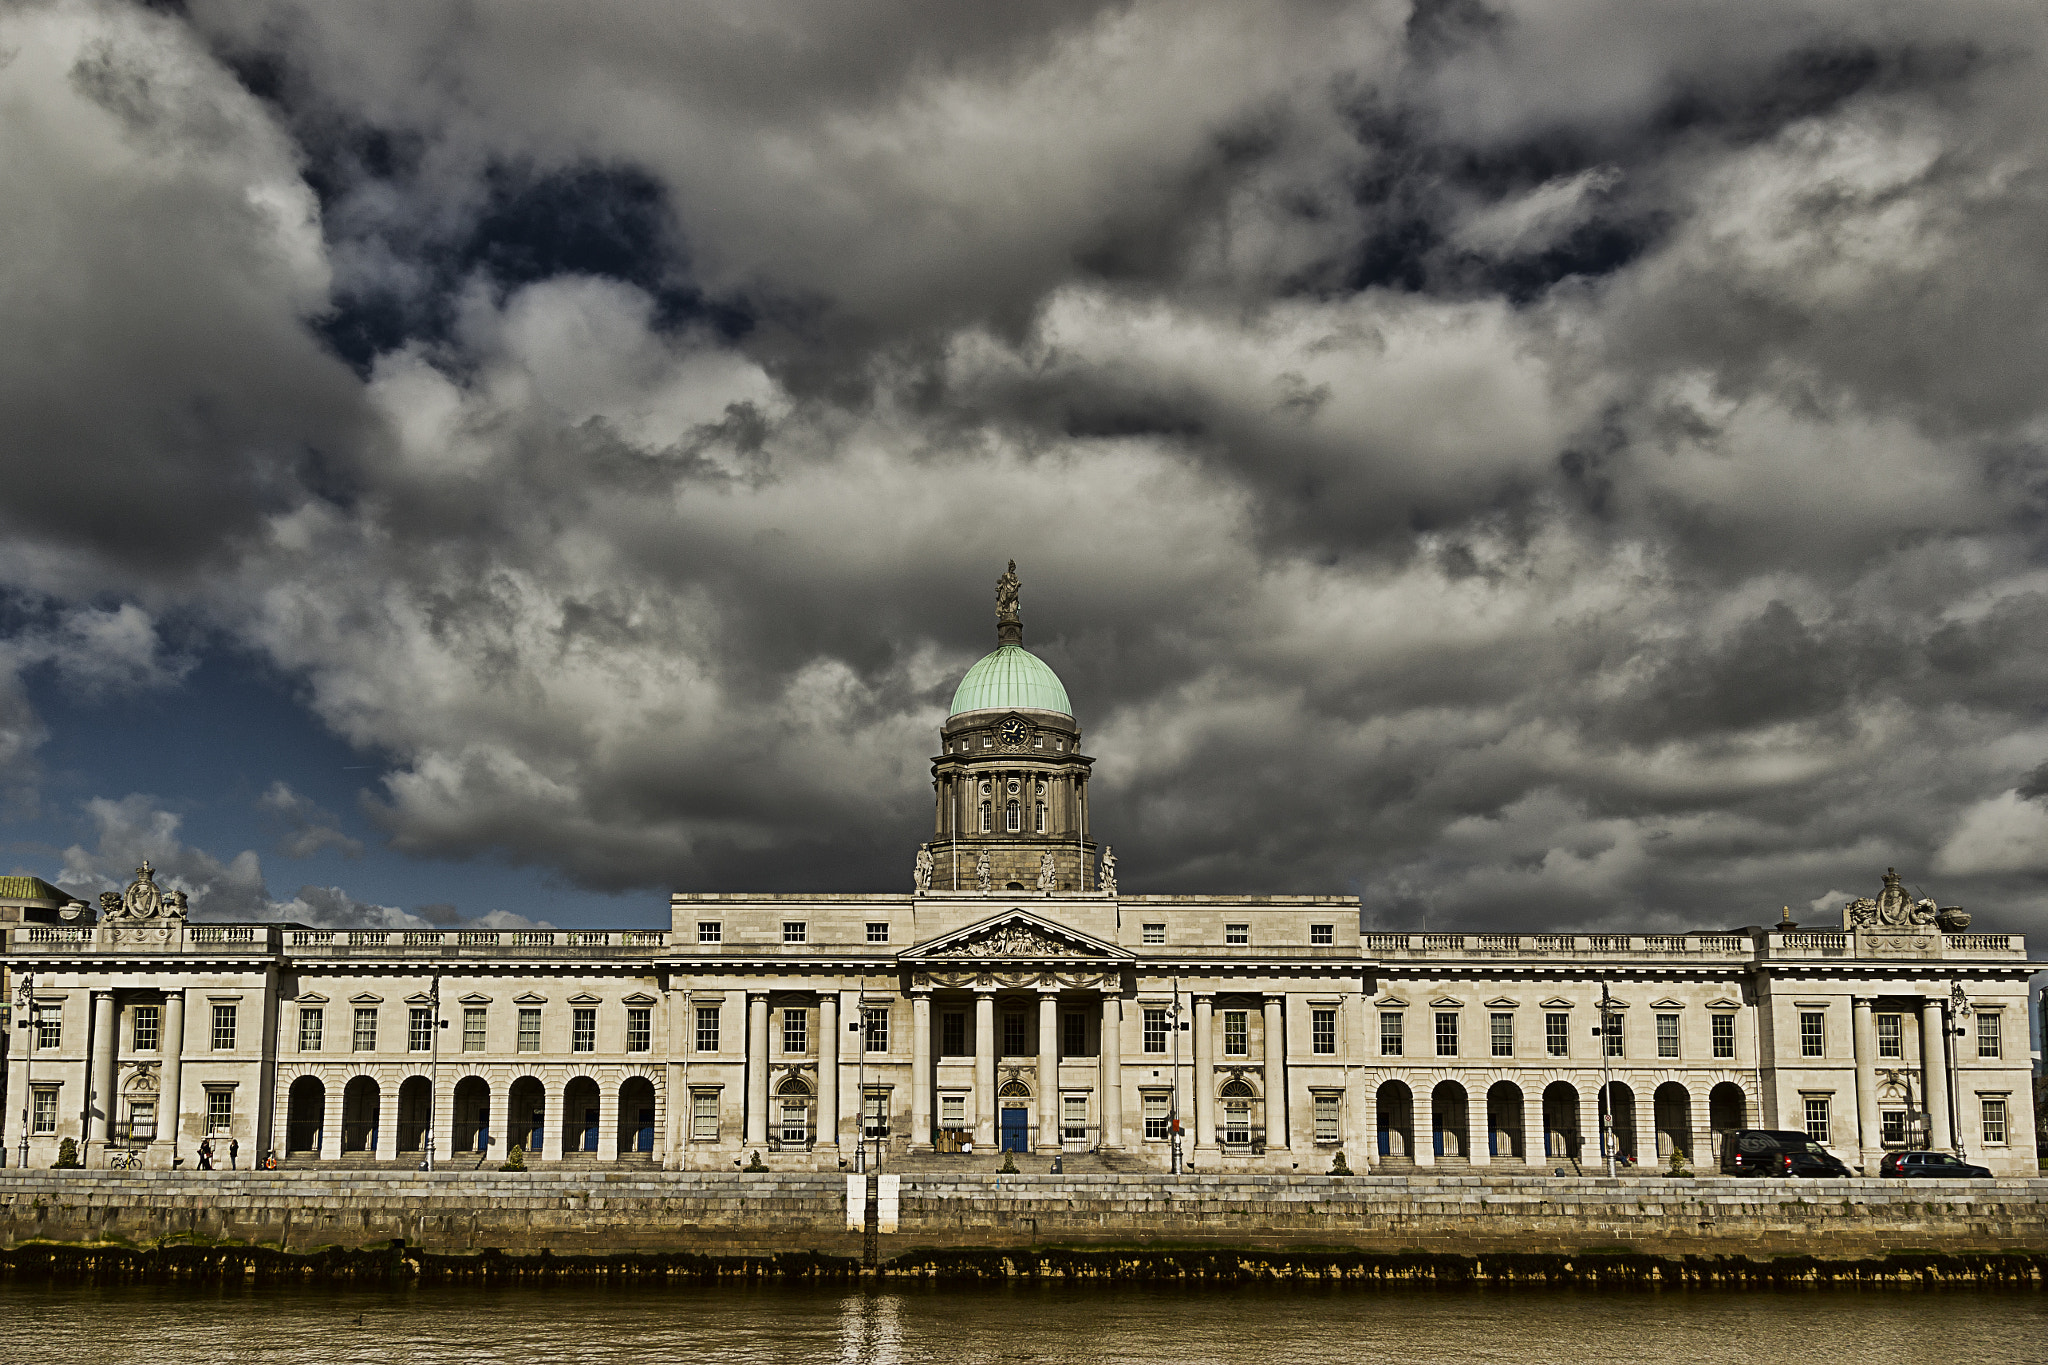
(1013, 939)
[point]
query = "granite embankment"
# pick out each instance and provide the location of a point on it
(615, 1214)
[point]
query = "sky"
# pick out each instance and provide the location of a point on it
(1574, 464)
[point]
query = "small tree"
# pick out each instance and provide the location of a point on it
(67, 1155)
(1678, 1170)
(1338, 1167)
(754, 1162)
(515, 1158)
(1009, 1166)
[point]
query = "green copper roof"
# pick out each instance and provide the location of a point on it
(1011, 679)
(30, 889)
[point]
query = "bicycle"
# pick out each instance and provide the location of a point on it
(125, 1161)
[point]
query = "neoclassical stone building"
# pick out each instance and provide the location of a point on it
(1014, 998)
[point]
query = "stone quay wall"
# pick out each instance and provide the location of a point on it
(736, 1214)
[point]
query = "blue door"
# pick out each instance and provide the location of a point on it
(1436, 1133)
(1386, 1134)
(1016, 1130)
(590, 1130)
(643, 1141)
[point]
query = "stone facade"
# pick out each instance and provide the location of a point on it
(1036, 1007)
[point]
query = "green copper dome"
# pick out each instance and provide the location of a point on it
(1011, 679)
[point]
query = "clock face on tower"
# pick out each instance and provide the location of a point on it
(1012, 733)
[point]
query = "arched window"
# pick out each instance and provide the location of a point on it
(1237, 1114)
(1014, 818)
(794, 1099)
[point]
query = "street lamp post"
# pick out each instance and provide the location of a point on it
(27, 998)
(434, 1072)
(858, 1026)
(1173, 1105)
(1606, 1116)
(1959, 1009)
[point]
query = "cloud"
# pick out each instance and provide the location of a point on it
(1526, 464)
(309, 829)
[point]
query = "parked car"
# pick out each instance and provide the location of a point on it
(1930, 1166)
(1778, 1151)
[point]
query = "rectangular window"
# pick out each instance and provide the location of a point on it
(1236, 1034)
(49, 1022)
(1390, 1033)
(796, 1030)
(1988, 1031)
(1014, 1044)
(1446, 1034)
(1155, 933)
(1322, 1032)
(796, 1118)
(1614, 1035)
(1158, 1125)
(142, 1121)
(312, 1022)
(1237, 935)
(1891, 1036)
(953, 1034)
(1817, 1118)
(1155, 1030)
(1074, 1118)
(874, 1114)
(875, 1029)
(707, 1028)
(366, 1029)
(1813, 1035)
(953, 1111)
(1322, 935)
(474, 1035)
(878, 932)
(1041, 809)
(793, 931)
(1329, 1113)
(639, 1028)
(704, 1116)
(583, 1029)
(1075, 1041)
(1503, 1038)
(220, 1111)
(1724, 1035)
(419, 1030)
(1892, 1127)
(147, 1028)
(1237, 1122)
(45, 1119)
(1994, 1122)
(529, 1028)
(1667, 1035)
(1557, 1034)
(223, 1028)
(710, 931)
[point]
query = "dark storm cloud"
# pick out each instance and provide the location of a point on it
(1526, 464)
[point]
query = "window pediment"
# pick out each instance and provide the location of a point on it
(1503, 1004)
(1391, 1002)
(639, 998)
(312, 998)
(1723, 1005)
(419, 998)
(476, 998)
(530, 998)
(1667, 1004)
(584, 998)
(1447, 1003)
(1557, 1003)
(366, 999)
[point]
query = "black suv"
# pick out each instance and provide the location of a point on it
(1930, 1166)
(1777, 1151)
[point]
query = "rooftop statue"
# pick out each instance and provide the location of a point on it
(1006, 594)
(1895, 908)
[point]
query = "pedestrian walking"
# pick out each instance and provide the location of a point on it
(206, 1154)
(234, 1151)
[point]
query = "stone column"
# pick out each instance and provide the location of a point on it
(387, 1118)
(444, 1118)
(1869, 1137)
(1479, 1125)
(330, 1118)
(1645, 1093)
(1934, 1073)
(921, 1068)
(607, 1117)
(99, 1102)
(830, 1040)
(1048, 1066)
(173, 1070)
(1204, 1080)
(1110, 1103)
(757, 1068)
(1279, 1133)
(1588, 1134)
(1423, 1121)
(985, 1067)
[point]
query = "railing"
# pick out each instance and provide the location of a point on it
(1553, 943)
(1665, 943)
(1980, 943)
(1388, 945)
(412, 941)
(1499, 943)
(1440, 943)
(1609, 943)
(1825, 942)
(476, 938)
(310, 938)
(1723, 943)
(58, 933)
(222, 933)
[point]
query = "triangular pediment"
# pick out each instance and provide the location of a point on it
(1557, 1002)
(1667, 1004)
(1015, 935)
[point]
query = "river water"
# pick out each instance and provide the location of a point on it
(947, 1326)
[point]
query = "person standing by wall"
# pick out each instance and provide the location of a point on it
(234, 1151)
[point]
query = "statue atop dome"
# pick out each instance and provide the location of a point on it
(1006, 595)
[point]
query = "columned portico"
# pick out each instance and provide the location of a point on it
(1934, 1073)
(921, 1068)
(757, 1068)
(1111, 1083)
(1048, 1068)
(1869, 1140)
(1205, 1072)
(99, 1100)
(985, 1066)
